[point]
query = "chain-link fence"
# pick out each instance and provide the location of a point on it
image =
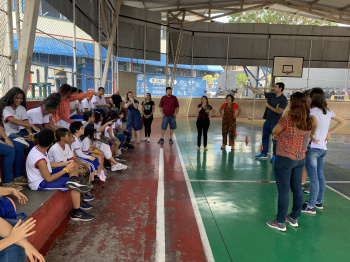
(4, 58)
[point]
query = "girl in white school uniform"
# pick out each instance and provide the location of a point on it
(41, 116)
(89, 139)
(14, 117)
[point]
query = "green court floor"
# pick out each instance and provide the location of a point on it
(236, 194)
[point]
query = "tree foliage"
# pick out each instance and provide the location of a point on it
(209, 79)
(272, 17)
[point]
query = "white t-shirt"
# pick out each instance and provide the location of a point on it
(97, 126)
(77, 149)
(19, 113)
(97, 100)
(85, 144)
(37, 117)
(106, 131)
(72, 106)
(85, 105)
(119, 123)
(59, 154)
(323, 126)
(33, 173)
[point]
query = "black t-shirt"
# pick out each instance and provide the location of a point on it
(276, 102)
(147, 107)
(117, 100)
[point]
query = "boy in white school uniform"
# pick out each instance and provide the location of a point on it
(85, 104)
(41, 176)
(61, 152)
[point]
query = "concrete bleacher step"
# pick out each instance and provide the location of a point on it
(48, 208)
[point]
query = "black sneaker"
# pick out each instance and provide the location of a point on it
(291, 221)
(85, 205)
(81, 215)
(119, 159)
(130, 146)
(74, 183)
(89, 197)
(276, 225)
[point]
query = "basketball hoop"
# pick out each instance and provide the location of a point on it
(289, 72)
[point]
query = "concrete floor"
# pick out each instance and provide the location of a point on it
(235, 193)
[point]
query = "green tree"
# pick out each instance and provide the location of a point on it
(272, 17)
(241, 78)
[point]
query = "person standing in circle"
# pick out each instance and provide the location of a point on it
(148, 108)
(205, 111)
(134, 117)
(292, 133)
(228, 114)
(169, 108)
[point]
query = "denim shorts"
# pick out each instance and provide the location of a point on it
(169, 120)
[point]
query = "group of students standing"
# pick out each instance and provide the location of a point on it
(299, 142)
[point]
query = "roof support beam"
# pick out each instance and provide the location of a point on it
(309, 10)
(226, 14)
(25, 50)
(216, 6)
(111, 38)
(104, 15)
(178, 50)
(344, 8)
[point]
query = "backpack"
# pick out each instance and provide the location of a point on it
(8, 209)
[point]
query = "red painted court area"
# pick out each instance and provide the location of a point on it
(125, 228)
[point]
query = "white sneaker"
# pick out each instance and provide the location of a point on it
(144, 139)
(118, 167)
(119, 151)
(148, 139)
(23, 141)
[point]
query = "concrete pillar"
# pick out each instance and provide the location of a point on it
(25, 50)
(97, 65)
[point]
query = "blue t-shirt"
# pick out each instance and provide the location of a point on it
(276, 102)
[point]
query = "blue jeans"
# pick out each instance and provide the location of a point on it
(13, 253)
(128, 136)
(267, 131)
(121, 138)
(12, 156)
(288, 174)
(22, 133)
(171, 120)
(314, 168)
(76, 117)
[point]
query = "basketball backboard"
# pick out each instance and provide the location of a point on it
(284, 66)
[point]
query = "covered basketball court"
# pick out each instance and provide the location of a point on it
(177, 204)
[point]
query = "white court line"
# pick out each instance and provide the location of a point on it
(160, 228)
(258, 181)
(336, 191)
(205, 242)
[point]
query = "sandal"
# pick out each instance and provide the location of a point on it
(223, 147)
(12, 185)
(21, 180)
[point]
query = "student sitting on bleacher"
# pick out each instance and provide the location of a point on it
(90, 137)
(13, 154)
(45, 175)
(13, 243)
(41, 116)
(14, 117)
(77, 130)
(61, 152)
(85, 104)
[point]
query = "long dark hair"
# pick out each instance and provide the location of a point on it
(89, 132)
(299, 112)
(150, 97)
(318, 99)
(64, 89)
(97, 116)
(52, 101)
(127, 96)
(8, 100)
(207, 108)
